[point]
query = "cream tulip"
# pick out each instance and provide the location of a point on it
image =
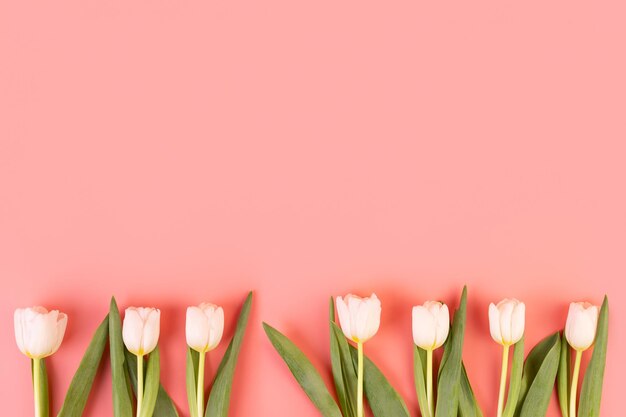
(580, 332)
(204, 327)
(359, 317)
(506, 321)
(39, 332)
(140, 330)
(581, 324)
(431, 324)
(506, 324)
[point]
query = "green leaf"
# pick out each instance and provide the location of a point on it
(304, 372)
(44, 400)
(450, 368)
(80, 387)
(192, 381)
(468, 405)
(219, 398)
(563, 376)
(419, 374)
(591, 390)
(122, 405)
(348, 382)
(164, 406)
(383, 399)
(151, 388)
(344, 373)
(516, 379)
(539, 376)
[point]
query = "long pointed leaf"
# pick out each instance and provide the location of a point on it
(122, 406)
(563, 376)
(192, 381)
(80, 387)
(343, 393)
(591, 390)
(304, 372)
(450, 371)
(539, 377)
(515, 383)
(420, 381)
(468, 405)
(151, 389)
(348, 370)
(219, 398)
(383, 399)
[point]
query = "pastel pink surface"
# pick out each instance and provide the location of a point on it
(177, 152)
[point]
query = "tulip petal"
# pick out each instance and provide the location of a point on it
(217, 328)
(18, 320)
(61, 326)
(518, 322)
(506, 314)
(197, 329)
(443, 326)
(132, 331)
(151, 331)
(494, 323)
(344, 317)
(424, 328)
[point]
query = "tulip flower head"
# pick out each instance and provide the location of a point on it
(580, 328)
(140, 330)
(431, 324)
(39, 332)
(359, 317)
(506, 321)
(204, 327)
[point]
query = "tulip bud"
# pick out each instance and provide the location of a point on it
(204, 327)
(506, 321)
(431, 324)
(359, 317)
(580, 328)
(141, 329)
(39, 332)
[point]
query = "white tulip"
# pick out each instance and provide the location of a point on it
(580, 332)
(359, 317)
(431, 324)
(204, 327)
(506, 321)
(39, 332)
(141, 329)
(580, 328)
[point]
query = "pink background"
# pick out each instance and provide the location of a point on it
(170, 152)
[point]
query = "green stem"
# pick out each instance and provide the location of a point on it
(505, 365)
(139, 383)
(200, 389)
(429, 381)
(359, 392)
(37, 385)
(572, 395)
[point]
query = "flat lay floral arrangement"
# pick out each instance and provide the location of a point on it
(531, 381)
(134, 359)
(554, 363)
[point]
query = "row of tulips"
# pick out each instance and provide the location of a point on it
(531, 381)
(39, 334)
